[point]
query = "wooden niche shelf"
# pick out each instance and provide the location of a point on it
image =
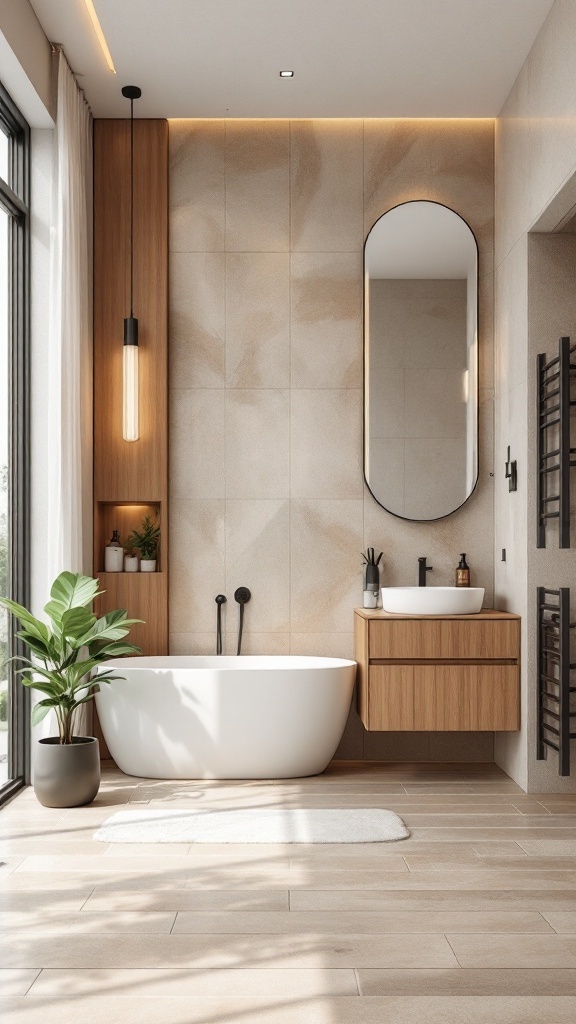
(143, 594)
(131, 478)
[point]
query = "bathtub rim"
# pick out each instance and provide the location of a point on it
(228, 663)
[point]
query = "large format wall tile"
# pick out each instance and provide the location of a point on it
(197, 564)
(326, 186)
(257, 320)
(197, 320)
(326, 579)
(325, 443)
(257, 186)
(197, 186)
(258, 556)
(397, 165)
(197, 443)
(326, 320)
(257, 444)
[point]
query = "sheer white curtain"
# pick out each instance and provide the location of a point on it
(70, 367)
(69, 476)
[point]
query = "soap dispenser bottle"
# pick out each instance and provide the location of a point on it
(463, 572)
(371, 578)
(114, 554)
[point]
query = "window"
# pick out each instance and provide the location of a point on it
(14, 434)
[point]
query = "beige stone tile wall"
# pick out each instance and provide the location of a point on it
(535, 191)
(267, 227)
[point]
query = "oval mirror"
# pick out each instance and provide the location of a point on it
(421, 361)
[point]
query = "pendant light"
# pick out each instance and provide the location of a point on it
(130, 428)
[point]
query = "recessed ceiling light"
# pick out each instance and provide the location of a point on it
(286, 74)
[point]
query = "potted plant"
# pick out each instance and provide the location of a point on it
(146, 542)
(67, 767)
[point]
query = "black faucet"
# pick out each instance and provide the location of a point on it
(422, 570)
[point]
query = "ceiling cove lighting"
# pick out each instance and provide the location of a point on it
(130, 412)
(286, 74)
(99, 34)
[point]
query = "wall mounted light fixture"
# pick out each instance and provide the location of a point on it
(130, 424)
(511, 472)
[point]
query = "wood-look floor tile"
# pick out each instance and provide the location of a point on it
(493, 821)
(522, 834)
(473, 901)
(465, 982)
(222, 986)
(523, 951)
(69, 900)
(551, 848)
(347, 923)
(41, 922)
(284, 1008)
(39, 880)
(166, 900)
(231, 951)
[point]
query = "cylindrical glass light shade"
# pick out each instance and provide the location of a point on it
(131, 427)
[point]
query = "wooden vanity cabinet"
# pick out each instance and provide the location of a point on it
(438, 673)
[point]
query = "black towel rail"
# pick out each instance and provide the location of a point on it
(554, 668)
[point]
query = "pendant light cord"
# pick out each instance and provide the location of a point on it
(131, 207)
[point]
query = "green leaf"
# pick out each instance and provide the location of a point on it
(35, 626)
(38, 646)
(70, 590)
(113, 626)
(40, 710)
(116, 650)
(76, 623)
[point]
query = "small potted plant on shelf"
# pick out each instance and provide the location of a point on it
(146, 541)
(64, 654)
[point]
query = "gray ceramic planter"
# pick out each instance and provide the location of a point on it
(67, 775)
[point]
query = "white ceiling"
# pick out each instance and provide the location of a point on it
(351, 58)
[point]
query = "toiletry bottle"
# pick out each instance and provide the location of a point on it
(371, 586)
(371, 579)
(463, 572)
(114, 554)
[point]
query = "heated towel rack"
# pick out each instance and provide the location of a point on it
(554, 712)
(555, 456)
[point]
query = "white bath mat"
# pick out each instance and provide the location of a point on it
(367, 825)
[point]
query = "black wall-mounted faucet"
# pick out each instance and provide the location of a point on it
(242, 596)
(220, 600)
(422, 570)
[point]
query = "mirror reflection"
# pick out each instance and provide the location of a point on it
(421, 361)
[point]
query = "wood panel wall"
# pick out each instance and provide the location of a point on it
(130, 474)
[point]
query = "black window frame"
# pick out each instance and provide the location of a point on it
(15, 201)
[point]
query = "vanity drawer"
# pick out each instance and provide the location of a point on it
(447, 639)
(443, 698)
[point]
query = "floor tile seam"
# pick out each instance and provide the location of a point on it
(33, 982)
(453, 951)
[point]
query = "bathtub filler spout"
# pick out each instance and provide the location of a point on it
(220, 600)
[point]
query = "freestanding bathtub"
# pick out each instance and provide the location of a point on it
(225, 717)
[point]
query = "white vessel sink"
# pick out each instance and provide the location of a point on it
(432, 600)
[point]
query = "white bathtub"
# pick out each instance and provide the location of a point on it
(225, 717)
